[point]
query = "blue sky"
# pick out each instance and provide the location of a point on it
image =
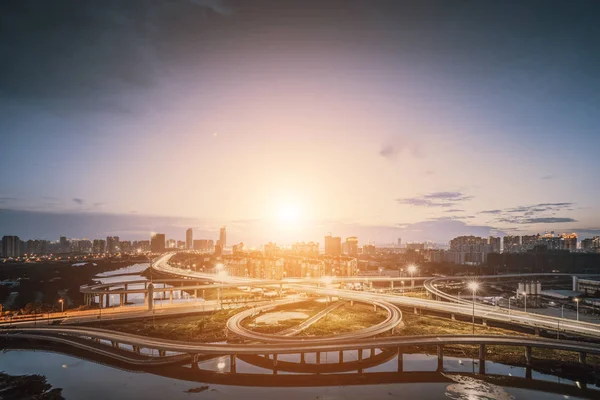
(382, 119)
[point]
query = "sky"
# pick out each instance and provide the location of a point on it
(286, 120)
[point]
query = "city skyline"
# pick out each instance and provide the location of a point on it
(424, 121)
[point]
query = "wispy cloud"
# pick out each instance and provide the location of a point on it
(78, 201)
(541, 213)
(436, 199)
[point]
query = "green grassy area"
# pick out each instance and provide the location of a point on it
(310, 308)
(208, 327)
(347, 318)
(415, 325)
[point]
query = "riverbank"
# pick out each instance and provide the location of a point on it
(33, 387)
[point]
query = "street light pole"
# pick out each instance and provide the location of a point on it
(577, 302)
(562, 311)
(525, 296)
(473, 286)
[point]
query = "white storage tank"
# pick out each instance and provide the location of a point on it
(538, 290)
(521, 288)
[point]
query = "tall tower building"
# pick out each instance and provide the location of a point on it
(189, 238)
(333, 245)
(223, 237)
(112, 244)
(352, 246)
(157, 243)
(11, 246)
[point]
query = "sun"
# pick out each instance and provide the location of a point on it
(288, 214)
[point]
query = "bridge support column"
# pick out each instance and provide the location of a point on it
(537, 331)
(528, 357)
(162, 353)
(107, 300)
(195, 295)
(484, 322)
(351, 303)
(232, 367)
(400, 360)
(482, 353)
(136, 349)
(114, 344)
(318, 356)
(440, 360)
(171, 297)
(101, 301)
(360, 355)
(416, 311)
(528, 373)
(453, 317)
(125, 295)
(274, 360)
(375, 307)
(582, 357)
(150, 295)
(391, 285)
(195, 362)
(122, 299)
(302, 360)
(341, 357)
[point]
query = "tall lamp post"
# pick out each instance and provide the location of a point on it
(577, 302)
(473, 286)
(62, 305)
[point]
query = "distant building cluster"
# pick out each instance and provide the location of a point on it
(549, 240)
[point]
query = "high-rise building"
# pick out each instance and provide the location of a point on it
(99, 246)
(189, 238)
(415, 246)
(369, 250)
(351, 246)
(223, 237)
(238, 248)
(512, 244)
(63, 245)
(569, 241)
(528, 242)
(399, 245)
(495, 244)
(591, 244)
(171, 244)
(310, 249)
(333, 245)
(157, 243)
(112, 244)
(85, 246)
(11, 246)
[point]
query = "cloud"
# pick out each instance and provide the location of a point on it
(395, 147)
(436, 199)
(78, 201)
(547, 177)
(541, 213)
(83, 56)
(441, 230)
(452, 210)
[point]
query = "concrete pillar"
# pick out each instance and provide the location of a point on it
(232, 368)
(484, 322)
(125, 295)
(537, 331)
(318, 355)
(360, 355)
(171, 297)
(107, 300)
(391, 285)
(195, 295)
(528, 357)
(372, 352)
(341, 357)
(528, 373)
(482, 354)
(582, 357)
(114, 344)
(150, 295)
(416, 311)
(375, 307)
(440, 361)
(302, 361)
(274, 360)
(122, 299)
(351, 303)
(101, 300)
(452, 316)
(136, 349)
(400, 360)
(162, 353)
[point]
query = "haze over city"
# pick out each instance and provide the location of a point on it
(421, 120)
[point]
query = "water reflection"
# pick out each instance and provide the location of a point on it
(88, 379)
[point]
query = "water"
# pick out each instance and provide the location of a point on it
(87, 379)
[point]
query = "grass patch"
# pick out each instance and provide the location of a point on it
(347, 318)
(309, 308)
